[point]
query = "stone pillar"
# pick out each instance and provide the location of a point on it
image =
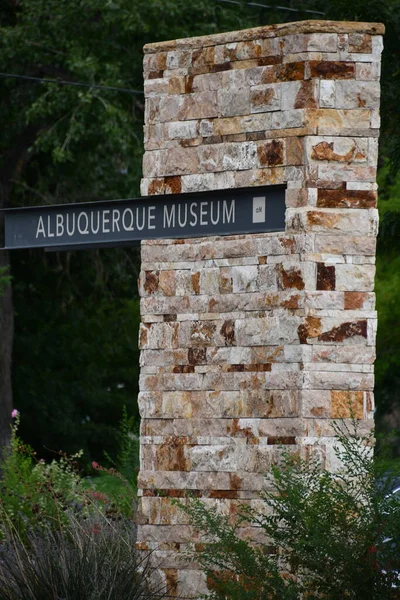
(254, 342)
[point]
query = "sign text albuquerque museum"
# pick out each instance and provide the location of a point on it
(257, 275)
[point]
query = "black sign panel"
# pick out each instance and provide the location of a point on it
(119, 222)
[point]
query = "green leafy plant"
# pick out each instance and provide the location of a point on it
(35, 493)
(118, 482)
(324, 535)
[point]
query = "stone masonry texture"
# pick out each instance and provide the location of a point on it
(255, 343)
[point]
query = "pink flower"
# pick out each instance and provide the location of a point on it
(95, 465)
(14, 413)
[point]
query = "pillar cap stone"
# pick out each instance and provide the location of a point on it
(268, 31)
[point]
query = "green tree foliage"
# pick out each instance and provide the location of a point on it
(321, 535)
(75, 358)
(76, 313)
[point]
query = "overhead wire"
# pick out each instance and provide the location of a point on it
(285, 8)
(73, 83)
(133, 91)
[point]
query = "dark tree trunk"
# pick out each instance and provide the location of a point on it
(6, 344)
(6, 332)
(14, 163)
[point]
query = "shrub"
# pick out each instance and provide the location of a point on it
(34, 493)
(93, 559)
(326, 535)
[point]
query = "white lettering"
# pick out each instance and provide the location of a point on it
(40, 228)
(214, 221)
(73, 224)
(115, 219)
(106, 221)
(227, 216)
(49, 234)
(59, 225)
(141, 226)
(203, 213)
(92, 222)
(124, 225)
(193, 221)
(151, 217)
(85, 229)
(169, 219)
(182, 223)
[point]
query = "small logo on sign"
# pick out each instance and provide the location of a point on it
(259, 209)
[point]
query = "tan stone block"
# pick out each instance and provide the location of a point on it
(294, 151)
(357, 278)
(357, 94)
(346, 244)
(167, 282)
(327, 94)
(325, 380)
(346, 405)
(328, 220)
(202, 105)
(336, 121)
(233, 102)
(316, 404)
(355, 354)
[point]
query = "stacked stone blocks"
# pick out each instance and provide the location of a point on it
(252, 343)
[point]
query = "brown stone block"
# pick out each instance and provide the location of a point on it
(324, 151)
(288, 72)
(171, 456)
(346, 198)
(262, 368)
(345, 331)
(197, 356)
(289, 278)
(203, 57)
(255, 136)
(326, 277)
(202, 332)
(172, 184)
(332, 69)
(271, 153)
(311, 328)
(322, 219)
(227, 331)
(355, 300)
(294, 151)
(281, 440)
(264, 99)
(155, 62)
(347, 404)
(306, 96)
(151, 282)
(156, 186)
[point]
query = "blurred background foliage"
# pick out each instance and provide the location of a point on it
(75, 356)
